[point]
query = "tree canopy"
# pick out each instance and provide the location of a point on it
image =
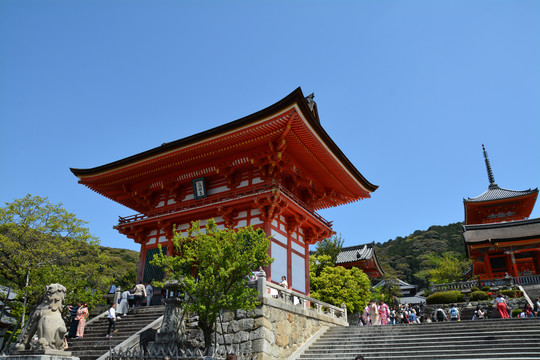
(410, 256)
(211, 266)
(337, 285)
(42, 243)
(331, 247)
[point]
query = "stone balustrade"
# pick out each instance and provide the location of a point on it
(300, 301)
(499, 282)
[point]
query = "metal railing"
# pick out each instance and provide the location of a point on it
(172, 352)
(462, 285)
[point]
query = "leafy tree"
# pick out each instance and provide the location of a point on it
(331, 247)
(211, 266)
(389, 291)
(410, 256)
(337, 285)
(446, 268)
(42, 243)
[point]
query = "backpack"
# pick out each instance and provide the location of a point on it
(453, 313)
(440, 315)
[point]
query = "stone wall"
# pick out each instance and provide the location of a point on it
(278, 327)
(275, 330)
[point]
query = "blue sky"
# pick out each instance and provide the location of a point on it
(409, 90)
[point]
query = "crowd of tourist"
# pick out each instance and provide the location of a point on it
(379, 313)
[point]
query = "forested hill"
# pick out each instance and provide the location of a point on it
(409, 257)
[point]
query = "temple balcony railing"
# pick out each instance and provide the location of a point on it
(498, 282)
(218, 198)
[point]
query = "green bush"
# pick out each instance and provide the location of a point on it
(512, 293)
(479, 296)
(474, 288)
(485, 288)
(516, 312)
(445, 297)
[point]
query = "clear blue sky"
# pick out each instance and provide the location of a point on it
(409, 90)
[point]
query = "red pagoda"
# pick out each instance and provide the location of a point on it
(498, 236)
(273, 170)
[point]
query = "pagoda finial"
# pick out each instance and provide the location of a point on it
(488, 167)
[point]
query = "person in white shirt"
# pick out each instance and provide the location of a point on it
(111, 317)
(149, 293)
(284, 282)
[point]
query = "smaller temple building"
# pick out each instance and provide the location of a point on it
(499, 237)
(362, 257)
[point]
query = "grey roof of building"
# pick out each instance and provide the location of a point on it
(355, 253)
(402, 285)
(412, 300)
(494, 192)
(506, 231)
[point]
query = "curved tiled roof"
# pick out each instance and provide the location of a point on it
(355, 253)
(494, 192)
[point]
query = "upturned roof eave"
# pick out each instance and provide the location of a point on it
(522, 193)
(294, 97)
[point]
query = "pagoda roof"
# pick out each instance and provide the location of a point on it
(502, 232)
(293, 119)
(494, 193)
(356, 253)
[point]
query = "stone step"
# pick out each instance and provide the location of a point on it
(94, 343)
(472, 340)
(450, 333)
(508, 356)
(485, 339)
(494, 353)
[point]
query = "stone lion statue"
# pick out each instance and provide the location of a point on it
(46, 322)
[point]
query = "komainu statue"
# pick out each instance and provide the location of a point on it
(46, 323)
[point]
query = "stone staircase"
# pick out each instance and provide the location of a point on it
(94, 343)
(503, 339)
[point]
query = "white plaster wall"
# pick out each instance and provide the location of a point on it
(298, 273)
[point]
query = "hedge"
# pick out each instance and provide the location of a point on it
(512, 293)
(445, 297)
(479, 296)
(516, 313)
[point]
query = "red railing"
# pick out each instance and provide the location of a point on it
(220, 198)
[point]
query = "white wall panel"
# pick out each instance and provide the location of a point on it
(279, 266)
(298, 273)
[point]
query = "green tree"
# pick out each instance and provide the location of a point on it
(389, 290)
(448, 267)
(337, 285)
(211, 266)
(330, 246)
(42, 243)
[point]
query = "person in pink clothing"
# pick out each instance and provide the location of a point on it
(82, 315)
(384, 311)
(502, 306)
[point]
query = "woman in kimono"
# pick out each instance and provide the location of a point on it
(384, 311)
(82, 315)
(366, 314)
(374, 313)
